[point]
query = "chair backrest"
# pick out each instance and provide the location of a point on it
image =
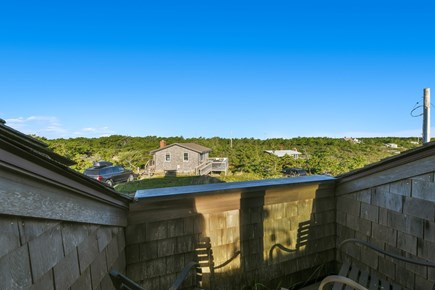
(204, 254)
(203, 260)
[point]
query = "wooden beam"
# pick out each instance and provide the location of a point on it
(60, 176)
(387, 175)
(23, 195)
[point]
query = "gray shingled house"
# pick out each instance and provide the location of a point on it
(184, 158)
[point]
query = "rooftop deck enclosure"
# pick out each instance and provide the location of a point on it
(57, 232)
(62, 230)
(392, 205)
(249, 218)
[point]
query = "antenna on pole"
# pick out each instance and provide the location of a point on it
(426, 115)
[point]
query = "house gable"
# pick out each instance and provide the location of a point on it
(179, 157)
(190, 146)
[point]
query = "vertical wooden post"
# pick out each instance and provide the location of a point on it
(426, 116)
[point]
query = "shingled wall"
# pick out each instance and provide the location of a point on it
(162, 234)
(47, 254)
(58, 230)
(393, 207)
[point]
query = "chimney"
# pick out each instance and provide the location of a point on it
(162, 143)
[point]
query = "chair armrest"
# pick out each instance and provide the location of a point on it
(342, 280)
(379, 250)
(183, 275)
(122, 282)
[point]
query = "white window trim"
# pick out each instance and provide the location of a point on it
(184, 160)
(170, 157)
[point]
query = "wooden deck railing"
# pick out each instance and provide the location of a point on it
(204, 168)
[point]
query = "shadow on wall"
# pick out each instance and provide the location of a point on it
(282, 237)
(278, 236)
(161, 237)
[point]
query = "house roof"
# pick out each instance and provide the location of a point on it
(390, 162)
(29, 143)
(282, 153)
(33, 157)
(191, 146)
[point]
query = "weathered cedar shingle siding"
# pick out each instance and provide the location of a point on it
(197, 155)
(392, 205)
(59, 229)
(250, 218)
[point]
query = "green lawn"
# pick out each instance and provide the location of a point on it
(169, 181)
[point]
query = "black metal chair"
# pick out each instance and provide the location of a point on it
(122, 282)
(351, 276)
(204, 259)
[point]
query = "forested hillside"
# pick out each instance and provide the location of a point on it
(246, 155)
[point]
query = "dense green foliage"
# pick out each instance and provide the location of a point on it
(246, 155)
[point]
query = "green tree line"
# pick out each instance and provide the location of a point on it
(320, 155)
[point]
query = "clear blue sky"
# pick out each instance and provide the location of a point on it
(259, 69)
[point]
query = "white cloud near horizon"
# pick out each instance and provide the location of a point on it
(94, 132)
(417, 133)
(50, 127)
(414, 133)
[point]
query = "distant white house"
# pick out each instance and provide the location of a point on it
(352, 140)
(281, 153)
(391, 145)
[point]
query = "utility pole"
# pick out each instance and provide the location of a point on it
(426, 115)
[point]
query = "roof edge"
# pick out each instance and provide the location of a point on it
(180, 191)
(182, 145)
(389, 162)
(78, 182)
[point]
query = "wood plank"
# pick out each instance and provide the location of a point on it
(364, 279)
(385, 284)
(64, 177)
(423, 189)
(344, 270)
(374, 281)
(322, 189)
(160, 215)
(395, 171)
(31, 198)
(10, 235)
(353, 275)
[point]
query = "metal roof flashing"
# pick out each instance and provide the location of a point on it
(216, 187)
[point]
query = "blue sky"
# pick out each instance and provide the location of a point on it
(259, 69)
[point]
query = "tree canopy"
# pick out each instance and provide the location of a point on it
(320, 155)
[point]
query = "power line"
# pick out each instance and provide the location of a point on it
(416, 106)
